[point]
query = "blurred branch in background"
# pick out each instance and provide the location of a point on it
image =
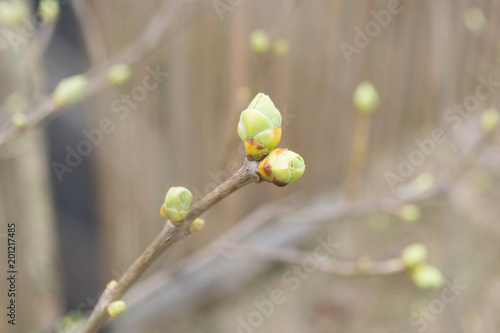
(97, 76)
(364, 266)
(260, 235)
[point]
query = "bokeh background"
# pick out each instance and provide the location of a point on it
(81, 229)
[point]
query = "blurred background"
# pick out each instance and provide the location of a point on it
(390, 103)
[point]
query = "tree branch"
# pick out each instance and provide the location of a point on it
(363, 267)
(97, 75)
(168, 236)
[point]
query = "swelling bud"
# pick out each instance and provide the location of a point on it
(282, 167)
(119, 74)
(19, 120)
(427, 276)
(111, 284)
(260, 126)
(489, 119)
(414, 255)
(13, 13)
(474, 18)
(49, 11)
(366, 98)
(259, 41)
(69, 90)
(115, 308)
(177, 204)
(196, 226)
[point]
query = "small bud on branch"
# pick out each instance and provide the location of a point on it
(69, 90)
(49, 11)
(259, 41)
(13, 13)
(115, 308)
(19, 120)
(260, 126)
(119, 74)
(196, 226)
(414, 255)
(489, 119)
(177, 204)
(426, 276)
(282, 167)
(111, 284)
(366, 98)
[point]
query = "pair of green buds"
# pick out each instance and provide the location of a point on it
(260, 130)
(423, 275)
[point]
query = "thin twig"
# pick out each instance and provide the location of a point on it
(168, 236)
(209, 253)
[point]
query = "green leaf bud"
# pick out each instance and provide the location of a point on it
(19, 120)
(177, 204)
(115, 308)
(111, 284)
(474, 18)
(409, 213)
(489, 119)
(69, 90)
(119, 74)
(13, 13)
(426, 276)
(259, 41)
(49, 11)
(282, 167)
(196, 226)
(260, 126)
(366, 98)
(414, 255)
(280, 46)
